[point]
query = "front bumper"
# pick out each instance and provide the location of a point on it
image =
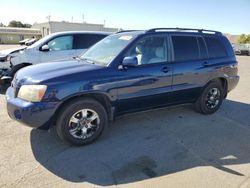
(5, 68)
(242, 52)
(37, 115)
(232, 82)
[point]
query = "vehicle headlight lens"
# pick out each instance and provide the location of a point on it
(32, 93)
(8, 58)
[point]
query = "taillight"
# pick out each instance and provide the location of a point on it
(234, 67)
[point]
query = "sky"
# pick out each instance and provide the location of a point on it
(228, 16)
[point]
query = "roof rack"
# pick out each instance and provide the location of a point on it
(183, 29)
(123, 31)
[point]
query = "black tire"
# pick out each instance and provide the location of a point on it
(16, 68)
(68, 111)
(202, 104)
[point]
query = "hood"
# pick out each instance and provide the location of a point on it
(51, 71)
(4, 53)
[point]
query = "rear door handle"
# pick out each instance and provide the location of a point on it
(205, 64)
(165, 69)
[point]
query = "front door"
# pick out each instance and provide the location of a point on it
(60, 48)
(148, 84)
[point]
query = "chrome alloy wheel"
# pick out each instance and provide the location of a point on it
(84, 124)
(213, 98)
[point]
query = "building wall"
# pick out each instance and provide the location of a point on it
(13, 38)
(52, 27)
(43, 27)
(9, 35)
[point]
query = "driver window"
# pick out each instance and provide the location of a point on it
(61, 43)
(149, 50)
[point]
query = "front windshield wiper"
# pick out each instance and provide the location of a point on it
(77, 58)
(88, 60)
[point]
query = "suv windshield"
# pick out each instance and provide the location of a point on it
(107, 49)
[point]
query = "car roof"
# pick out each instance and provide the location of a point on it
(81, 32)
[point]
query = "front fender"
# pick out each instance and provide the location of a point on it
(65, 91)
(17, 58)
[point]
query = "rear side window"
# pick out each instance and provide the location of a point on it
(215, 47)
(185, 48)
(84, 41)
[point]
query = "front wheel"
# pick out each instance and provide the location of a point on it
(16, 68)
(81, 122)
(210, 99)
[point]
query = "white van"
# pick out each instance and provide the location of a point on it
(56, 46)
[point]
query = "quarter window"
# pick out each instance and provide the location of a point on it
(215, 47)
(185, 48)
(61, 43)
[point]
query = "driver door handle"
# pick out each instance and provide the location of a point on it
(165, 69)
(205, 64)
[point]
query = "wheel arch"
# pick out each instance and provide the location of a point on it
(222, 81)
(17, 67)
(102, 98)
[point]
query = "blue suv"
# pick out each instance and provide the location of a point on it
(125, 72)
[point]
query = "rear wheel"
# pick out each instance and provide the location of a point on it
(81, 122)
(210, 99)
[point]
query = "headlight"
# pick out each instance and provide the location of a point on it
(8, 58)
(32, 93)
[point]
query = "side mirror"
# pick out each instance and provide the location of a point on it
(130, 61)
(45, 48)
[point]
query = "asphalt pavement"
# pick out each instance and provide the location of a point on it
(172, 147)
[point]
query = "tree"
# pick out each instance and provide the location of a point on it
(27, 25)
(2, 25)
(244, 39)
(15, 23)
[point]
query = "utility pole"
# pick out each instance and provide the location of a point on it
(48, 18)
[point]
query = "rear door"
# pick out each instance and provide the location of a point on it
(85, 41)
(190, 65)
(60, 47)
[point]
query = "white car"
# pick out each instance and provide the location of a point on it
(22, 42)
(241, 49)
(57, 46)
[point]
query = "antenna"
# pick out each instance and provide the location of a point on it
(83, 18)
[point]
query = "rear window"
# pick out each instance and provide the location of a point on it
(84, 41)
(215, 47)
(185, 48)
